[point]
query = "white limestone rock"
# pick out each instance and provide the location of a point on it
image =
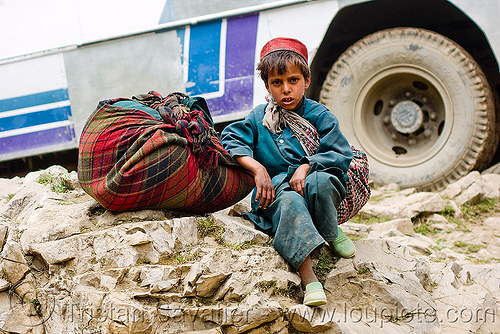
(491, 185)
(403, 225)
(149, 271)
(402, 206)
(138, 238)
(311, 320)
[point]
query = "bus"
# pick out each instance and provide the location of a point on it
(414, 83)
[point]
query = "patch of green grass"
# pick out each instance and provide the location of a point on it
(363, 270)
(425, 229)
(436, 247)
(196, 255)
(208, 227)
(63, 185)
(460, 225)
(323, 266)
(421, 226)
(60, 184)
(60, 188)
(291, 291)
(362, 219)
(4, 273)
(474, 248)
(476, 212)
(470, 248)
(323, 262)
(8, 197)
(460, 244)
(45, 178)
(244, 245)
(179, 257)
(85, 229)
(448, 212)
(484, 261)
(37, 305)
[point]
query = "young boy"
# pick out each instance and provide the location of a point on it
(299, 159)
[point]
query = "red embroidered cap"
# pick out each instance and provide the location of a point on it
(284, 43)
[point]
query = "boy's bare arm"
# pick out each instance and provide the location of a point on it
(263, 182)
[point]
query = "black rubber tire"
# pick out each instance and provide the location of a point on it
(400, 68)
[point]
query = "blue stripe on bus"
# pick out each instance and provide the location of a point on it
(204, 58)
(240, 57)
(34, 99)
(37, 139)
(35, 118)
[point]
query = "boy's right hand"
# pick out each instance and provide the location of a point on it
(265, 188)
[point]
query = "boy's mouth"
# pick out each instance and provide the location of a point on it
(287, 100)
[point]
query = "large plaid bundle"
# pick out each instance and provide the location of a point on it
(129, 160)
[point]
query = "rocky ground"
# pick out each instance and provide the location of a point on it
(425, 263)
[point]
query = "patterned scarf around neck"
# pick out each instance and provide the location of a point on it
(276, 119)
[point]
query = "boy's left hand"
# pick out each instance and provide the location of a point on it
(298, 180)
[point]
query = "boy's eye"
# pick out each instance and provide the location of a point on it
(275, 82)
(294, 79)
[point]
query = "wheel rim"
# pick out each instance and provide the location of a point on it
(403, 116)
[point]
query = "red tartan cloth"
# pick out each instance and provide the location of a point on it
(129, 160)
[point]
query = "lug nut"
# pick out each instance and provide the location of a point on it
(427, 133)
(407, 94)
(433, 116)
(412, 142)
(394, 136)
(387, 119)
(392, 103)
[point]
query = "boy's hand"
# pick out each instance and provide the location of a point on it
(265, 188)
(298, 180)
(263, 182)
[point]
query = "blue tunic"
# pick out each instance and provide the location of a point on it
(281, 155)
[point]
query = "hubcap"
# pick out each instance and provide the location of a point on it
(401, 116)
(407, 117)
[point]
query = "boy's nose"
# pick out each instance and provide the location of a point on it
(286, 88)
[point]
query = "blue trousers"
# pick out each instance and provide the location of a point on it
(300, 224)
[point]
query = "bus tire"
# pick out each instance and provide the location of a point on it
(417, 103)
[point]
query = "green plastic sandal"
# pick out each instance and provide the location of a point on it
(314, 296)
(342, 245)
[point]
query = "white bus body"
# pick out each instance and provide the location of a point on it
(59, 58)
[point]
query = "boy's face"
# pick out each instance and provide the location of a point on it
(288, 88)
